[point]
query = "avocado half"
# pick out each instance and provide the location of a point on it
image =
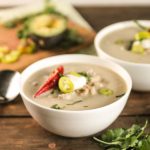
(47, 30)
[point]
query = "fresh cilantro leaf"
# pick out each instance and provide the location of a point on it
(144, 144)
(113, 135)
(132, 138)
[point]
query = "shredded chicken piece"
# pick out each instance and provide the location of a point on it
(35, 83)
(67, 96)
(95, 79)
(91, 72)
(105, 82)
(85, 92)
(87, 87)
(46, 77)
(93, 91)
(99, 85)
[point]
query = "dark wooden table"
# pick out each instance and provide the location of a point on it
(18, 131)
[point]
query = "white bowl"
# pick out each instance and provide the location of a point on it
(75, 123)
(139, 72)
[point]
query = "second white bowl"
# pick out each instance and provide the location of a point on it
(140, 73)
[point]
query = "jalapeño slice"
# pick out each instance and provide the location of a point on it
(65, 85)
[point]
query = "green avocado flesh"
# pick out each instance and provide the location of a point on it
(47, 25)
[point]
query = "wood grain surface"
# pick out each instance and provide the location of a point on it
(26, 134)
(18, 131)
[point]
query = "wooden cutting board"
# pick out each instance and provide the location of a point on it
(8, 36)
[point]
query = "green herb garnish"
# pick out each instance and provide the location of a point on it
(75, 102)
(55, 91)
(85, 106)
(56, 106)
(71, 38)
(120, 42)
(85, 75)
(120, 95)
(140, 25)
(132, 138)
(23, 33)
(129, 45)
(10, 24)
(60, 74)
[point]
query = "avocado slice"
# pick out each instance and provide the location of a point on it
(47, 30)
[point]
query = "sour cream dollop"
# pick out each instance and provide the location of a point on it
(78, 81)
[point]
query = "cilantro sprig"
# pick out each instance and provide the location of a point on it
(133, 138)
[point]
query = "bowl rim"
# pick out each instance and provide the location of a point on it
(103, 32)
(128, 84)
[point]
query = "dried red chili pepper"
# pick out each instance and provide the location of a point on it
(51, 81)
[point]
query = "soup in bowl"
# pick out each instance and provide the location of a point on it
(128, 44)
(75, 95)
